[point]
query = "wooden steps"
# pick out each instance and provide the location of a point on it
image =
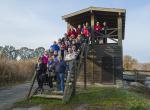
(49, 96)
(57, 92)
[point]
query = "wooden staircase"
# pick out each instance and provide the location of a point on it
(70, 83)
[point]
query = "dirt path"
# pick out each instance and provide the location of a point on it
(8, 96)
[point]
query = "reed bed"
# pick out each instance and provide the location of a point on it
(12, 71)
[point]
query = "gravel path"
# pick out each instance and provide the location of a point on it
(8, 96)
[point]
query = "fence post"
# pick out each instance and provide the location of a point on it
(74, 78)
(136, 75)
(85, 55)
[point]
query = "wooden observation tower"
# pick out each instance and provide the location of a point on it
(105, 58)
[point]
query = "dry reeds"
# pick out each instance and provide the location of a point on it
(12, 71)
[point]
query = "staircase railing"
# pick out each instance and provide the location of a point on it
(31, 86)
(70, 86)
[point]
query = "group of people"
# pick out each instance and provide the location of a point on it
(52, 65)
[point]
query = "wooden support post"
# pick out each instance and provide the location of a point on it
(113, 66)
(92, 20)
(92, 41)
(85, 56)
(120, 30)
(136, 76)
(92, 27)
(120, 38)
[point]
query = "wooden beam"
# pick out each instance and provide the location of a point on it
(92, 39)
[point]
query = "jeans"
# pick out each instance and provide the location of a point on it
(60, 78)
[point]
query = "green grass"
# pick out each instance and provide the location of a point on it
(96, 98)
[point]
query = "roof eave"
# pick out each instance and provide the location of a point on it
(117, 10)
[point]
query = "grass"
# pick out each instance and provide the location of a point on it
(12, 72)
(95, 98)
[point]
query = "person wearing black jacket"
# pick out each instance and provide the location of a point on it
(38, 68)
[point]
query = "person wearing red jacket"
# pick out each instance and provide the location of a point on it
(85, 33)
(78, 30)
(97, 27)
(71, 32)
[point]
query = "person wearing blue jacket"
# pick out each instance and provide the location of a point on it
(55, 47)
(60, 69)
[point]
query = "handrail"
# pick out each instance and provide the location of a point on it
(32, 84)
(136, 70)
(74, 71)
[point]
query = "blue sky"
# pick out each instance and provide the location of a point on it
(34, 23)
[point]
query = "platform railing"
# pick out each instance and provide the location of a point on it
(136, 75)
(108, 33)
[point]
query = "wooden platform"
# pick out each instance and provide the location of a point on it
(49, 96)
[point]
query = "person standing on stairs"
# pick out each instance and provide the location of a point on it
(55, 46)
(78, 30)
(85, 33)
(56, 61)
(51, 68)
(38, 68)
(60, 69)
(44, 67)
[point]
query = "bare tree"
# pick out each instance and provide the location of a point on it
(130, 63)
